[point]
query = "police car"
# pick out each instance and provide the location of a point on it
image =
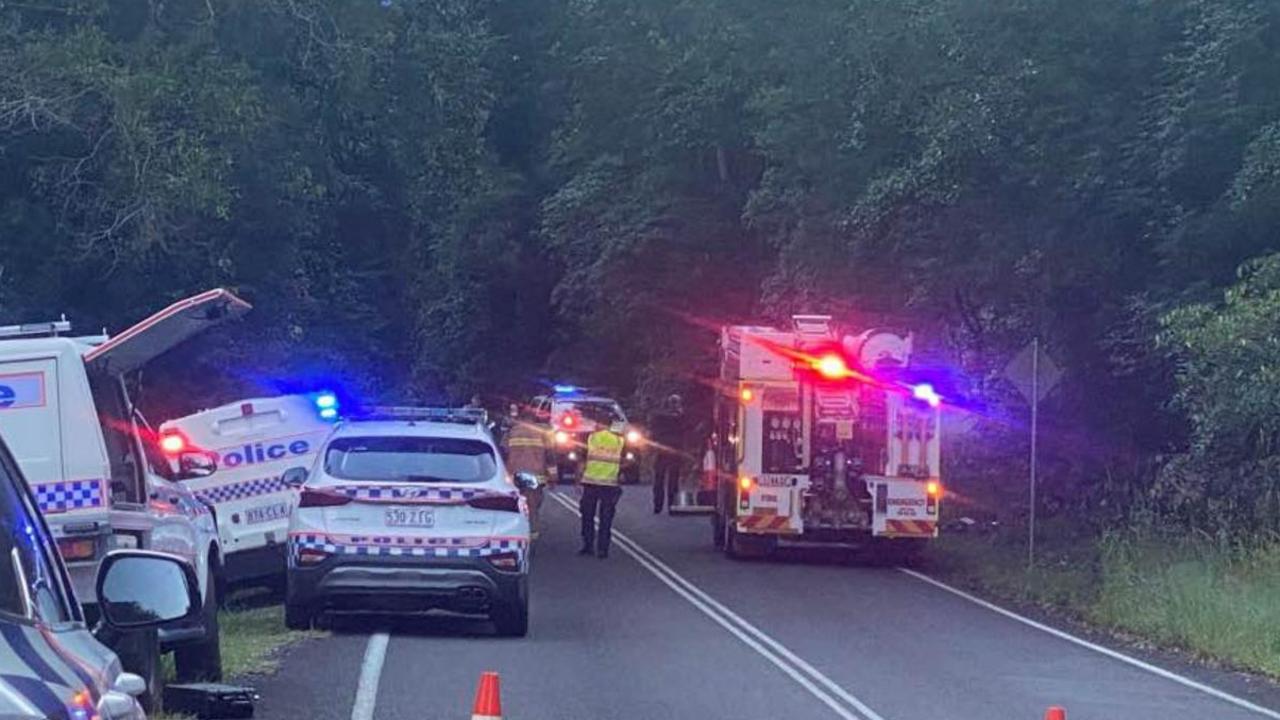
(410, 510)
(573, 414)
(253, 442)
(96, 468)
(51, 665)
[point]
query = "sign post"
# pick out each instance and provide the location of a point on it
(1034, 376)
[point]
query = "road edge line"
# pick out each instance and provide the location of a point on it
(370, 673)
(1101, 649)
(777, 654)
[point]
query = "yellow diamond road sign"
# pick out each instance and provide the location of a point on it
(1019, 372)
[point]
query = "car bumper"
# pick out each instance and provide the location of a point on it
(405, 584)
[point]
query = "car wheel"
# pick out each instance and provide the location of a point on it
(203, 661)
(298, 616)
(139, 653)
(512, 619)
(741, 546)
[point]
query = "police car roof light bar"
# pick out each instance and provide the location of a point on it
(52, 328)
(468, 416)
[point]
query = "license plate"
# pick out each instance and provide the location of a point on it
(411, 517)
(266, 513)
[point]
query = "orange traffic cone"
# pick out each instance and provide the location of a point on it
(1055, 713)
(488, 698)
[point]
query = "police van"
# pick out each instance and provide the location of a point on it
(96, 470)
(253, 441)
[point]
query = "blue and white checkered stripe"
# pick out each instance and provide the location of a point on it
(403, 547)
(242, 490)
(408, 494)
(56, 497)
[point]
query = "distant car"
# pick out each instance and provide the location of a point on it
(51, 665)
(409, 510)
(571, 415)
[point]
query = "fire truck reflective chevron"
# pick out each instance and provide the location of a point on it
(910, 528)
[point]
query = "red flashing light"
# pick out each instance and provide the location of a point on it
(831, 366)
(172, 443)
(568, 421)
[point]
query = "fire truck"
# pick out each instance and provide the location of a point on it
(823, 439)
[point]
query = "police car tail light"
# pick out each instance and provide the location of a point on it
(504, 503)
(314, 498)
(311, 556)
(74, 549)
(505, 561)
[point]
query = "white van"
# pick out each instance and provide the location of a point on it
(94, 465)
(254, 441)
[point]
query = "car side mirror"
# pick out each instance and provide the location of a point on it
(141, 589)
(527, 481)
(196, 464)
(294, 477)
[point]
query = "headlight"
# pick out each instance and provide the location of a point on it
(562, 437)
(634, 437)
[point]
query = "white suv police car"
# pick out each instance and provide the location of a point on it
(51, 666)
(410, 510)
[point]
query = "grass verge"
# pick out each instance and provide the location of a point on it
(253, 636)
(1219, 604)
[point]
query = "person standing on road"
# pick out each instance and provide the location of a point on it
(600, 489)
(668, 431)
(526, 445)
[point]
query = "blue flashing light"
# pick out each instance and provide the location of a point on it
(566, 389)
(328, 413)
(925, 393)
(327, 401)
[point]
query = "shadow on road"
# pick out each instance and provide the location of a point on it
(421, 625)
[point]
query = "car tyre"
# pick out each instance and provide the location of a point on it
(203, 661)
(299, 616)
(139, 653)
(512, 618)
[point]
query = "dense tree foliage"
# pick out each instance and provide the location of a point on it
(431, 197)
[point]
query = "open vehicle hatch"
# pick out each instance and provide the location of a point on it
(159, 333)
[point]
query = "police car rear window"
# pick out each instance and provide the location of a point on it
(410, 459)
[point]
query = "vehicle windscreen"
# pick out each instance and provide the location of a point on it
(410, 459)
(600, 412)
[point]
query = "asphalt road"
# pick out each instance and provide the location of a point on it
(667, 628)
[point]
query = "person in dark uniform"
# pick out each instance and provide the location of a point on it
(668, 431)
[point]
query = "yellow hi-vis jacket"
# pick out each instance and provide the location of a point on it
(604, 457)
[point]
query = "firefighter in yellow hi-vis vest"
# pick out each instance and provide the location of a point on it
(600, 489)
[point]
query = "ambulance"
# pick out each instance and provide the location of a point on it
(96, 470)
(254, 441)
(823, 439)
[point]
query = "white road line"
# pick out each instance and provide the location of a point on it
(370, 673)
(767, 647)
(1161, 672)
